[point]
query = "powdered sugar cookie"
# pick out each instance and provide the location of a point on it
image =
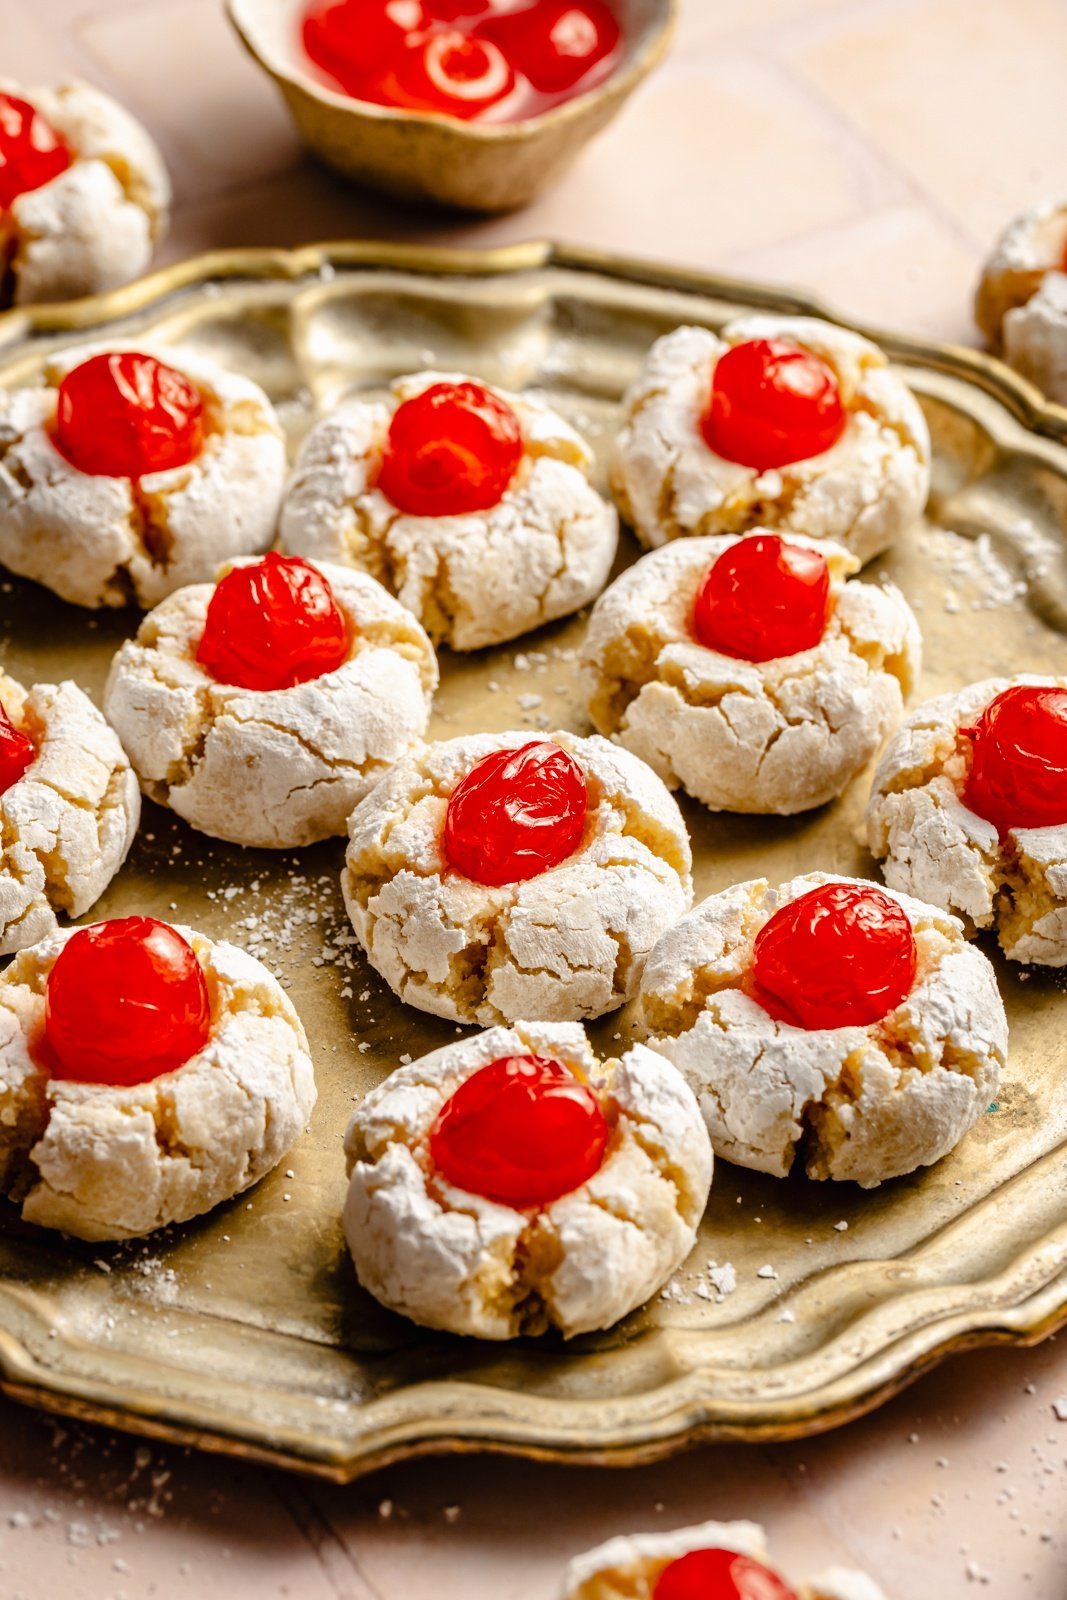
(123, 478)
(829, 1020)
(69, 808)
(783, 422)
(716, 1559)
(262, 709)
(969, 810)
(473, 505)
(147, 1074)
(749, 671)
(512, 1182)
(1021, 302)
(84, 193)
(493, 877)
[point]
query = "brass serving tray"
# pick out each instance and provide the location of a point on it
(246, 1331)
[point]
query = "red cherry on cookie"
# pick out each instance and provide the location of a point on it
(772, 403)
(516, 814)
(32, 153)
(17, 753)
(452, 449)
(719, 1575)
(125, 1002)
(127, 415)
(763, 599)
(522, 1132)
(841, 956)
(1018, 776)
(450, 72)
(556, 43)
(273, 624)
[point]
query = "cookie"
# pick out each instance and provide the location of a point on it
(119, 1158)
(512, 1182)
(85, 194)
(829, 1022)
(572, 860)
(256, 762)
(101, 537)
(69, 808)
(530, 541)
(855, 470)
(662, 674)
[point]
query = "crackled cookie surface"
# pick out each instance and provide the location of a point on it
(1021, 301)
(112, 1125)
(262, 709)
(69, 808)
(787, 423)
(512, 1182)
(750, 672)
(126, 475)
(714, 1561)
(493, 877)
(477, 512)
(830, 1022)
(84, 193)
(969, 811)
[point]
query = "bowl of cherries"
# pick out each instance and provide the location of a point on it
(470, 103)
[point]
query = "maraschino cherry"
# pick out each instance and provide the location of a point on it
(840, 956)
(451, 72)
(452, 449)
(522, 1132)
(1018, 776)
(771, 404)
(516, 814)
(719, 1575)
(273, 624)
(763, 599)
(17, 753)
(32, 153)
(556, 43)
(125, 1002)
(355, 41)
(124, 415)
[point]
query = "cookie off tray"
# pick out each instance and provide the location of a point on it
(804, 1303)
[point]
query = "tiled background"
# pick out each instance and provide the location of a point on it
(866, 149)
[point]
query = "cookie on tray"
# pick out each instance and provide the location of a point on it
(828, 1022)
(714, 1561)
(969, 811)
(84, 193)
(1021, 302)
(749, 671)
(786, 423)
(472, 504)
(69, 808)
(513, 1182)
(147, 1074)
(495, 876)
(264, 707)
(123, 476)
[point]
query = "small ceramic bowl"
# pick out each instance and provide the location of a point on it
(425, 156)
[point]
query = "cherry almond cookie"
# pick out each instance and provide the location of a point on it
(264, 707)
(715, 1561)
(69, 808)
(969, 811)
(147, 1074)
(495, 876)
(829, 1021)
(750, 672)
(124, 476)
(788, 423)
(473, 505)
(1021, 304)
(83, 192)
(513, 1182)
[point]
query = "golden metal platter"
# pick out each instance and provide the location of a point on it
(246, 1331)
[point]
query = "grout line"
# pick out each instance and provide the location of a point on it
(340, 1567)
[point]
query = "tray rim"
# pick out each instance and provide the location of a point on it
(1031, 1317)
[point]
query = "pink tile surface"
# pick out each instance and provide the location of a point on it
(865, 150)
